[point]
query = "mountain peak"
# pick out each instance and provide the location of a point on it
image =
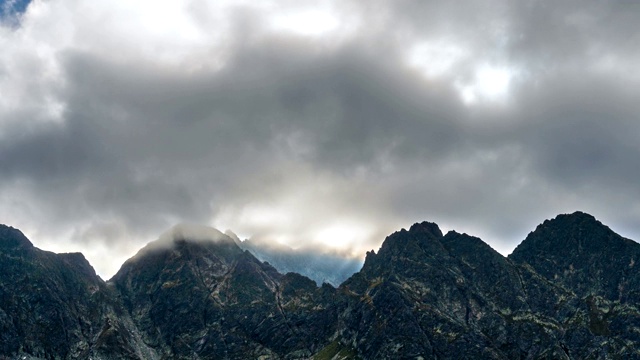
(579, 252)
(575, 218)
(184, 231)
(407, 242)
(190, 233)
(579, 215)
(12, 239)
(577, 232)
(426, 227)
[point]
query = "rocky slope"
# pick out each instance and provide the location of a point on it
(568, 291)
(54, 306)
(210, 299)
(449, 297)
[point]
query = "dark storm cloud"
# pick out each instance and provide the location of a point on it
(137, 135)
(287, 135)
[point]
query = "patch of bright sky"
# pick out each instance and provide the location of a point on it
(447, 59)
(246, 220)
(260, 216)
(323, 20)
(95, 254)
(343, 234)
(298, 219)
(488, 84)
(10, 8)
(436, 58)
(306, 22)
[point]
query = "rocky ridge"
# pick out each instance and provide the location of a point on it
(568, 291)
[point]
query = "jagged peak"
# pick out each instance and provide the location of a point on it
(575, 232)
(452, 234)
(426, 227)
(577, 220)
(403, 243)
(12, 238)
(458, 243)
(577, 217)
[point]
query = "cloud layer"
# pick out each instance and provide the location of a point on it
(315, 123)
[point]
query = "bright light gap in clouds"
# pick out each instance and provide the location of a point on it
(307, 23)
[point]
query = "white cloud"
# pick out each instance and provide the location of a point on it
(488, 84)
(437, 58)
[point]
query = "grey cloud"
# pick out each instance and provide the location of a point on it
(583, 130)
(350, 129)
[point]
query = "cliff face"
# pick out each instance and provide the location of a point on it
(568, 291)
(597, 267)
(213, 300)
(54, 306)
(581, 254)
(449, 297)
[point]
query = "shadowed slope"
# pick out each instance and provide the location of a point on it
(210, 299)
(55, 306)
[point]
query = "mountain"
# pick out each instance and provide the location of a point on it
(568, 291)
(210, 299)
(449, 297)
(54, 306)
(597, 266)
(580, 253)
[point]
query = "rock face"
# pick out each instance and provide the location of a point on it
(597, 266)
(54, 306)
(568, 291)
(449, 297)
(210, 299)
(579, 253)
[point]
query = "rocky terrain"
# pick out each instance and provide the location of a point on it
(568, 291)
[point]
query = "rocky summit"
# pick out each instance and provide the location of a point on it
(570, 290)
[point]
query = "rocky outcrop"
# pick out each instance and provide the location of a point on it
(435, 296)
(54, 306)
(568, 291)
(596, 267)
(210, 299)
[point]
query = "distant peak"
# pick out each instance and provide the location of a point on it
(12, 238)
(426, 227)
(233, 236)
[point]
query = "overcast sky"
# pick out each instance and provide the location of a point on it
(315, 122)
